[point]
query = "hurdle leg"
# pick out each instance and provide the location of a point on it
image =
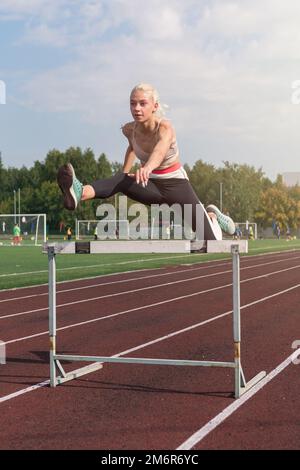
(239, 376)
(52, 313)
(241, 386)
(2, 352)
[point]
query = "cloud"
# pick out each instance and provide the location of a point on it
(165, 26)
(224, 67)
(23, 9)
(43, 34)
(199, 65)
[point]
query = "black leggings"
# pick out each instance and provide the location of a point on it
(158, 191)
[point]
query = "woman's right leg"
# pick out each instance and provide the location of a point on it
(73, 190)
(122, 183)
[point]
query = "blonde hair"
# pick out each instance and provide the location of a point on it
(153, 93)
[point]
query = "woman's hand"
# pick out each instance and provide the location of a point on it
(165, 138)
(142, 175)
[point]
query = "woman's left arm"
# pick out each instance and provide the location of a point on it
(158, 154)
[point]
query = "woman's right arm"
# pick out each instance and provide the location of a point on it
(130, 156)
(129, 159)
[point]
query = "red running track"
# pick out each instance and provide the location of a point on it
(129, 406)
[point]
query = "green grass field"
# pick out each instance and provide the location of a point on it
(27, 265)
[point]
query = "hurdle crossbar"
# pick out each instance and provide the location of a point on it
(168, 246)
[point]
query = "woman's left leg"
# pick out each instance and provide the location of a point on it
(179, 191)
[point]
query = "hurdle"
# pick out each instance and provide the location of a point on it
(146, 246)
(2, 352)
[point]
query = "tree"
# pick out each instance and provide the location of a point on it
(247, 193)
(242, 187)
(294, 192)
(276, 205)
(47, 199)
(48, 170)
(2, 173)
(116, 167)
(104, 168)
(203, 178)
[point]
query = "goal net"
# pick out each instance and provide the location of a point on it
(32, 228)
(247, 230)
(99, 229)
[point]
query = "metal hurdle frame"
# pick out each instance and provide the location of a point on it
(241, 386)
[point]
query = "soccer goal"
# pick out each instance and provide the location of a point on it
(99, 229)
(32, 228)
(248, 230)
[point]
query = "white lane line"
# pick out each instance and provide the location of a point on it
(296, 247)
(141, 346)
(151, 276)
(217, 263)
(157, 340)
(273, 253)
(120, 263)
(199, 435)
(79, 279)
(127, 351)
(113, 315)
(24, 390)
(116, 294)
(119, 281)
(93, 320)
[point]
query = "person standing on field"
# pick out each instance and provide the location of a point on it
(16, 235)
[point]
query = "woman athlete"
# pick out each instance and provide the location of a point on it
(160, 178)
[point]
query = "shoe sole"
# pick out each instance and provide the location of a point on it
(65, 182)
(210, 231)
(217, 212)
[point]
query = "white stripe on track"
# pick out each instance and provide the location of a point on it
(119, 281)
(274, 253)
(296, 247)
(24, 390)
(151, 276)
(199, 435)
(116, 294)
(120, 263)
(93, 320)
(218, 263)
(79, 279)
(149, 343)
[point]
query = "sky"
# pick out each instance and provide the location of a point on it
(229, 72)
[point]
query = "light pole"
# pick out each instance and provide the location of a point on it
(19, 201)
(221, 196)
(15, 206)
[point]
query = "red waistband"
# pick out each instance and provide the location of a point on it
(174, 167)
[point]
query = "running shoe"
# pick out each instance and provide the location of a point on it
(70, 186)
(225, 222)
